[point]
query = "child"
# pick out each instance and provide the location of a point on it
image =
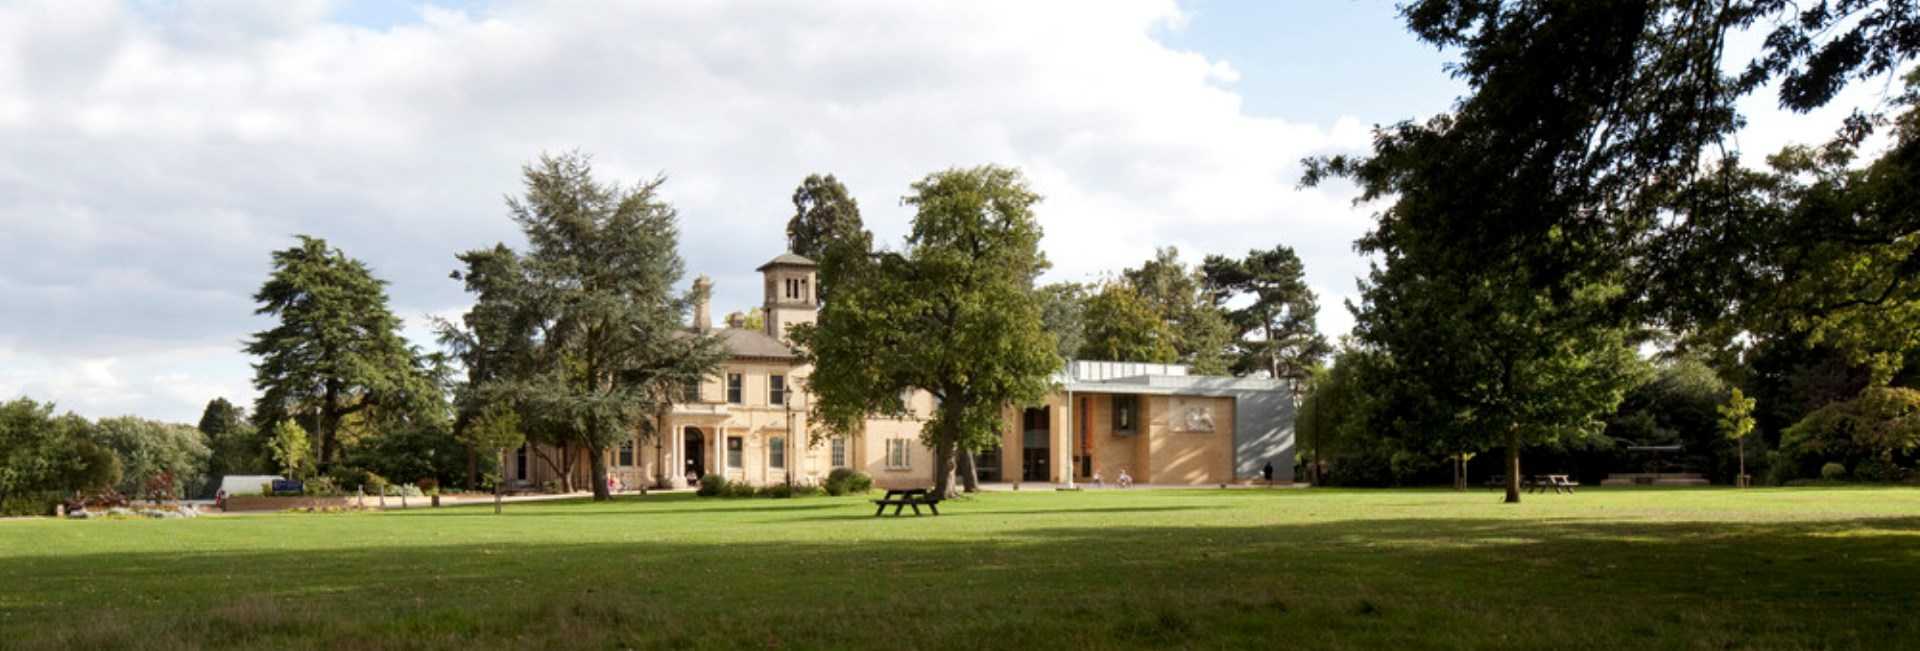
(1126, 480)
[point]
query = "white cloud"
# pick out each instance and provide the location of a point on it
(160, 156)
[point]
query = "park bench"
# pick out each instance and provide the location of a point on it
(900, 498)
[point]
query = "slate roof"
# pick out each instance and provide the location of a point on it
(788, 260)
(756, 344)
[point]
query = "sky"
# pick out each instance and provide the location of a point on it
(156, 152)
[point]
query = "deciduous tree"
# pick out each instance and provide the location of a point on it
(149, 448)
(1063, 314)
(1736, 422)
(1816, 245)
(1512, 218)
(1121, 327)
(1177, 294)
(290, 448)
(37, 451)
(954, 314)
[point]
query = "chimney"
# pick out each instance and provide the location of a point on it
(702, 318)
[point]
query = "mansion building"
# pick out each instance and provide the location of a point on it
(748, 422)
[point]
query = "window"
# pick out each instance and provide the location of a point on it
(690, 393)
(735, 387)
(735, 449)
(626, 454)
(776, 389)
(897, 454)
(797, 289)
(839, 452)
(520, 464)
(777, 452)
(1126, 414)
(906, 401)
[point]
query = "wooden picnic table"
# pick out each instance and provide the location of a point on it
(900, 498)
(1555, 483)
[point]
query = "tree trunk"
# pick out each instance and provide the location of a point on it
(597, 465)
(328, 408)
(566, 477)
(1742, 479)
(1513, 465)
(969, 474)
(473, 467)
(563, 469)
(943, 453)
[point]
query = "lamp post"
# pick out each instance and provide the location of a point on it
(787, 401)
(792, 444)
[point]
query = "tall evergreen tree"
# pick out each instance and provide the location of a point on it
(336, 353)
(1276, 333)
(585, 332)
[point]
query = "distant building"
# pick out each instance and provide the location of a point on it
(749, 421)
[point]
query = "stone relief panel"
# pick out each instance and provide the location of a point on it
(1191, 415)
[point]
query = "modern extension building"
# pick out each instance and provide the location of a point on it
(749, 421)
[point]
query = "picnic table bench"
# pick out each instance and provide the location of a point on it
(1555, 483)
(900, 498)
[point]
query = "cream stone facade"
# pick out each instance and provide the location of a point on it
(1154, 423)
(749, 422)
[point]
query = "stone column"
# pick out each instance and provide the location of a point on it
(672, 469)
(1061, 454)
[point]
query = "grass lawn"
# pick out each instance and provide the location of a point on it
(1826, 568)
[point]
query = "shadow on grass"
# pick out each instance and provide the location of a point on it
(1369, 583)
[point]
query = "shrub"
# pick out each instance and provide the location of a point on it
(843, 481)
(740, 489)
(36, 503)
(712, 486)
(350, 478)
(323, 487)
(1876, 469)
(1833, 470)
(777, 491)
